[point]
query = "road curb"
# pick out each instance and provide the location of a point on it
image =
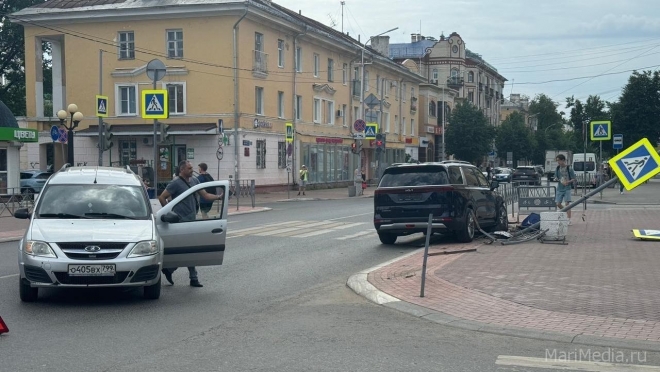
(262, 209)
(361, 286)
(322, 199)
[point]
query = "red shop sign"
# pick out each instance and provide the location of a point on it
(328, 140)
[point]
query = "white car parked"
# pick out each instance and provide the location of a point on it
(95, 227)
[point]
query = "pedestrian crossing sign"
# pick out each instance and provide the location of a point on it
(646, 234)
(154, 104)
(371, 130)
(601, 130)
(636, 164)
(102, 106)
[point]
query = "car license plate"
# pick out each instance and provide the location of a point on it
(91, 270)
(414, 197)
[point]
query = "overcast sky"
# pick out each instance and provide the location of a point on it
(527, 41)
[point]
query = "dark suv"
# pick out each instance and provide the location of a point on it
(456, 193)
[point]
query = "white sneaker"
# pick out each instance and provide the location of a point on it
(621, 192)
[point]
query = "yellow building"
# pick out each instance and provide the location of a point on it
(247, 68)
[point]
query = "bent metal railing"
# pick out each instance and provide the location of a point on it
(244, 189)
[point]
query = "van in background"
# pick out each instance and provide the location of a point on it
(579, 165)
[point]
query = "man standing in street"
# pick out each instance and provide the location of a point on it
(186, 209)
(304, 174)
(566, 177)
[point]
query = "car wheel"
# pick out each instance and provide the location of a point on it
(27, 293)
(386, 238)
(466, 233)
(152, 292)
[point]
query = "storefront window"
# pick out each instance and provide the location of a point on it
(331, 163)
(128, 151)
(328, 162)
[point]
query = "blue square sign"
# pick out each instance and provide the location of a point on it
(154, 104)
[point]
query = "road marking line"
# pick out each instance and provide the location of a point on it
(355, 215)
(8, 276)
(313, 233)
(518, 361)
(358, 234)
(275, 232)
(261, 228)
(346, 226)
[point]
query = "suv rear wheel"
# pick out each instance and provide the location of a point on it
(466, 233)
(387, 238)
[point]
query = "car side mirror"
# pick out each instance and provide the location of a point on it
(23, 214)
(170, 217)
(494, 185)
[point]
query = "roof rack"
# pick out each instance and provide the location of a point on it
(65, 166)
(455, 161)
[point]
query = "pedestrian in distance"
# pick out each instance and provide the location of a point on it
(186, 209)
(204, 205)
(304, 177)
(566, 176)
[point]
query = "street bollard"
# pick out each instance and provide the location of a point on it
(426, 253)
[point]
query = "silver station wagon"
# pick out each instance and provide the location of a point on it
(96, 227)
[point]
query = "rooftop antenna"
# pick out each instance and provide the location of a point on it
(342, 15)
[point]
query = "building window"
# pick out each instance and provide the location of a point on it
(259, 100)
(4, 178)
(281, 154)
(176, 95)
(258, 42)
(387, 121)
(280, 104)
(280, 53)
(299, 107)
(404, 92)
(377, 84)
(175, 43)
(298, 59)
(329, 112)
(127, 45)
(344, 74)
(356, 110)
(470, 77)
(317, 61)
(432, 108)
(127, 151)
(317, 110)
(261, 154)
(471, 97)
(331, 70)
(343, 115)
(412, 127)
(366, 81)
(396, 124)
(435, 75)
(404, 127)
(126, 99)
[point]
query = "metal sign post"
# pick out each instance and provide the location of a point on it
(426, 253)
(156, 71)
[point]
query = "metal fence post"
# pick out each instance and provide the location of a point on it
(426, 253)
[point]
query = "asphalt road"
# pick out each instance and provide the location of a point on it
(278, 303)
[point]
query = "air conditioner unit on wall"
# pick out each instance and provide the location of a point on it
(339, 113)
(147, 142)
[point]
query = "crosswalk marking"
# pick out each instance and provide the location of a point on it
(357, 234)
(299, 229)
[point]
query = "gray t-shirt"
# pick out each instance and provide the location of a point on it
(187, 208)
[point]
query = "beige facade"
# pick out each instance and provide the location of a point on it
(289, 70)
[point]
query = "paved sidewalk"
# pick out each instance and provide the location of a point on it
(600, 289)
(12, 229)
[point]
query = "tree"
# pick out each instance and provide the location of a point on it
(637, 112)
(12, 56)
(581, 116)
(469, 135)
(514, 136)
(549, 130)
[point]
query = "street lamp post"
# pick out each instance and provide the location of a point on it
(76, 118)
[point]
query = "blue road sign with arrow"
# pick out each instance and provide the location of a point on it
(54, 132)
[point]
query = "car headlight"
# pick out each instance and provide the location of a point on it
(38, 248)
(145, 248)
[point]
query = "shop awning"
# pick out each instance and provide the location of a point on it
(148, 130)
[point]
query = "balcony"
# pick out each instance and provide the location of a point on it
(413, 104)
(259, 64)
(455, 82)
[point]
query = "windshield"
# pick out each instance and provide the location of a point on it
(411, 176)
(526, 171)
(93, 201)
(578, 166)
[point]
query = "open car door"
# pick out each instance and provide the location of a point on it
(194, 243)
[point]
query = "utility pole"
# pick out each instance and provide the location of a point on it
(101, 142)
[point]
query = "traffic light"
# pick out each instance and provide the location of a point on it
(380, 142)
(164, 128)
(106, 141)
(356, 147)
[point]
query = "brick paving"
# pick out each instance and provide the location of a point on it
(603, 283)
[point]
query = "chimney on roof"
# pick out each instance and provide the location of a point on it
(381, 44)
(415, 38)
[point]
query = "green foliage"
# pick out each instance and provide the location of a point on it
(12, 56)
(637, 113)
(469, 135)
(549, 132)
(581, 116)
(514, 136)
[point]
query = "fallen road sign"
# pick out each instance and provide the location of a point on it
(646, 234)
